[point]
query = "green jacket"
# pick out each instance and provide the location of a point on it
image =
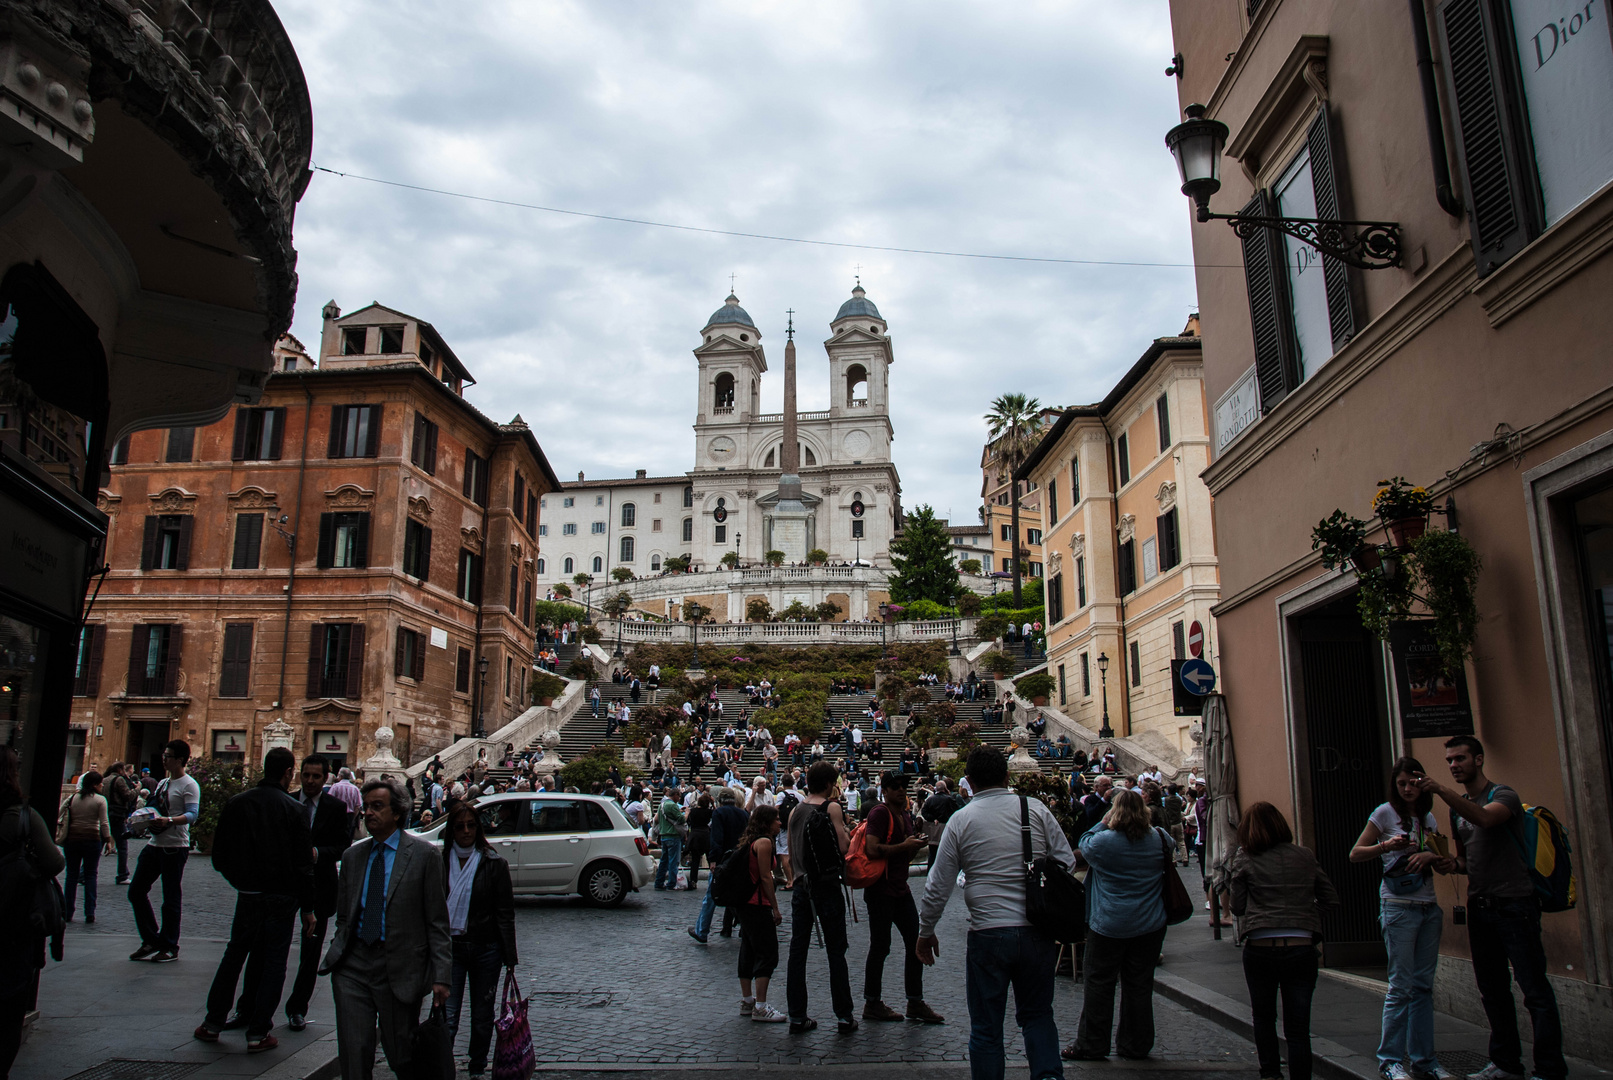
(669, 818)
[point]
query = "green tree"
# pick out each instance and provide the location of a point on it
(758, 609)
(970, 566)
(817, 555)
(922, 557)
(622, 573)
(827, 611)
(796, 612)
(562, 589)
(580, 580)
(1014, 426)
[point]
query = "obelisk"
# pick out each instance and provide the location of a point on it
(789, 522)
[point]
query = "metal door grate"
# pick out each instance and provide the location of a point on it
(130, 1069)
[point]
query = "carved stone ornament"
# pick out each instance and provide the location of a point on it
(1167, 495)
(515, 552)
(174, 500)
(252, 497)
(349, 495)
(1055, 562)
(1128, 527)
(471, 538)
(106, 502)
(278, 734)
(420, 508)
(1078, 545)
(882, 487)
(831, 491)
(746, 493)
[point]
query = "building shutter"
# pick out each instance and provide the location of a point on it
(139, 642)
(187, 526)
(1489, 145)
(1127, 566)
(1327, 183)
(423, 557)
(1165, 529)
(248, 542)
(1263, 271)
(470, 471)
(1178, 642)
(277, 434)
(419, 671)
(170, 667)
(92, 669)
(462, 672)
(373, 446)
(397, 654)
(148, 545)
(363, 541)
(316, 659)
(338, 431)
(238, 447)
(327, 541)
(431, 449)
(236, 676)
(355, 663)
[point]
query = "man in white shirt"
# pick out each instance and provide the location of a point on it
(178, 799)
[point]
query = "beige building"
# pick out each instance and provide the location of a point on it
(999, 512)
(1131, 561)
(1476, 363)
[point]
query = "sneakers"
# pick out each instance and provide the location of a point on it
(261, 1043)
(144, 952)
(165, 956)
(917, 1010)
(1393, 1070)
(763, 1013)
(878, 1010)
(1492, 1071)
(1438, 1072)
(747, 1006)
(801, 1027)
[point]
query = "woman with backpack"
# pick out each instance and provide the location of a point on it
(25, 849)
(759, 917)
(1400, 832)
(85, 835)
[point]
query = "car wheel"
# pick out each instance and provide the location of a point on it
(604, 885)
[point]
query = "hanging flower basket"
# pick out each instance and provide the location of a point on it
(1404, 530)
(1367, 558)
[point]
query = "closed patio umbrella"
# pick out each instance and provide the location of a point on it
(1221, 775)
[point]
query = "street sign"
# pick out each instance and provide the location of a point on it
(1198, 677)
(1183, 701)
(1195, 639)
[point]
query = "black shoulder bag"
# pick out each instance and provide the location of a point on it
(1055, 901)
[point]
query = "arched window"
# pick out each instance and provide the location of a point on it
(569, 565)
(688, 530)
(688, 495)
(629, 515)
(807, 455)
(540, 566)
(599, 564)
(856, 384)
(772, 456)
(627, 549)
(725, 391)
(856, 496)
(655, 563)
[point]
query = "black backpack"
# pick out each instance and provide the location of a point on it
(821, 858)
(787, 803)
(731, 883)
(1055, 901)
(28, 897)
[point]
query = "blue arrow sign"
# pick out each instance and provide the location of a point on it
(1198, 676)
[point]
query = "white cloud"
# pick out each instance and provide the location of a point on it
(1030, 129)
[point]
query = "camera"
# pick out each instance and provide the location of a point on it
(1458, 915)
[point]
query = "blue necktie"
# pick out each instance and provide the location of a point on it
(371, 916)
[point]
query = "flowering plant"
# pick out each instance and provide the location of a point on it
(1397, 497)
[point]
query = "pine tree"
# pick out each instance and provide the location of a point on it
(922, 556)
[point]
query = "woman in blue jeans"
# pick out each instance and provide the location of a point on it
(1404, 835)
(481, 921)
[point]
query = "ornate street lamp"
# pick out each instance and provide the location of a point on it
(481, 699)
(1105, 732)
(884, 617)
(1196, 143)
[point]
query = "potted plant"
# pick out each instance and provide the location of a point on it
(999, 663)
(1037, 686)
(1339, 537)
(817, 556)
(774, 558)
(731, 559)
(1404, 509)
(545, 687)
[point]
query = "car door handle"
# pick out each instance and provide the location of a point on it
(573, 839)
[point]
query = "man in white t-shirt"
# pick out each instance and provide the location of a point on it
(178, 799)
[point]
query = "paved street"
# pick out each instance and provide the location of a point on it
(619, 990)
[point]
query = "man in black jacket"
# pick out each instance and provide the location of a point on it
(263, 847)
(727, 826)
(329, 823)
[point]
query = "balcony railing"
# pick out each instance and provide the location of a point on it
(802, 633)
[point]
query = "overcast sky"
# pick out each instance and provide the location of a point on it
(1030, 129)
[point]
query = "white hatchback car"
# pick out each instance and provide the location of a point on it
(559, 844)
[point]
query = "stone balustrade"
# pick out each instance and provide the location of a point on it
(791, 633)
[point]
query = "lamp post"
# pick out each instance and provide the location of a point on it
(736, 549)
(618, 654)
(859, 550)
(953, 604)
(884, 617)
(1196, 143)
(1105, 732)
(481, 699)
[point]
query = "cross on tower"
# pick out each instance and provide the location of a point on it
(731, 283)
(859, 272)
(790, 331)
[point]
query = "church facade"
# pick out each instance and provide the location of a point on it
(729, 500)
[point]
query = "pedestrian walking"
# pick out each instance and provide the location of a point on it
(727, 824)
(24, 954)
(818, 841)
(481, 926)
(178, 799)
(698, 819)
(890, 835)
(759, 917)
(670, 826)
(264, 849)
(983, 841)
(330, 830)
(392, 941)
(937, 811)
(1278, 890)
(1125, 930)
(85, 835)
(1503, 925)
(122, 799)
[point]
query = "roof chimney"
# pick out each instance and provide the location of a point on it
(639, 475)
(579, 476)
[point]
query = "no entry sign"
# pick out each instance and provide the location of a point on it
(1195, 639)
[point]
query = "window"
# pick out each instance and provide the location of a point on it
(1127, 567)
(540, 566)
(248, 551)
(569, 565)
(688, 496)
(1052, 500)
(1170, 546)
(1055, 598)
(344, 541)
(1162, 416)
(235, 678)
(856, 528)
(515, 587)
(598, 528)
(655, 563)
(519, 497)
(336, 660)
(629, 515)
(416, 550)
(1075, 482)
(1033, 569)
(1061, 685)
(1123, 458)
(1086, 675)
(409, 655)
(720, 534)
(181, 444)
(599, 500)
(154, 658)
(1008, 534)
(627, 549)
(655, 525)
(355, 431)
(1081, 581)
(391, 339)
(259, 434)
(543, 530)
(120, 452)
(167, 542)
(1136, 666)
(599, 564)
(1150, 558)
(353, 340)
(531, 514)
(688, 530)
(423, 447)
(526, 601)
(568, 501)
(474, 486)
(469, 583)
(1033, 536)
(87, 664)
(1178, 642)
(569, 528)
(462, 672)
(1008, 564)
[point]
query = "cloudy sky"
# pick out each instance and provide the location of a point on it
(1030, 129)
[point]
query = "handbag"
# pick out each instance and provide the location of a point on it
(64, 819)
(513, 1056)
(433, 1048)
(1178, 905)
(1055, 901)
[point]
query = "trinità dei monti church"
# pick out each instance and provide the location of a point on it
(789, 481)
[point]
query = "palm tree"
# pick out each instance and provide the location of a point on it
(1014, 426)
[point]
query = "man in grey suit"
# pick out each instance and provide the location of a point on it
(391, 942)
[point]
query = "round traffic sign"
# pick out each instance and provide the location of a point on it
(1198, 677)
(1195, 639)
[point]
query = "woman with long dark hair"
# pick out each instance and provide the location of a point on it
(85, 835)
(699, 837)
(20, 824)
(1403, 833)
(759, 917)
(481, 921)
(1278, 890)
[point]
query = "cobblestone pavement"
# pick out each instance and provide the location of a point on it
(626, 989)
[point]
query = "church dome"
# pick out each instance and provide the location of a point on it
(858, 307)
(731, 314)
